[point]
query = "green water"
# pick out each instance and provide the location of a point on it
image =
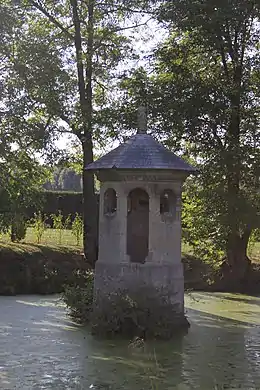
(41, 348)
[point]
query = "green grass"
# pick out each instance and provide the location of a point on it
(50, 237)
(48, 248)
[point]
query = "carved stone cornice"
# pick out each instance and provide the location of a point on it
(141, 175)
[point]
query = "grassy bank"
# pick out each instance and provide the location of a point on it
(65, 238)
(28, 267)
(50, 237)
(37, 269)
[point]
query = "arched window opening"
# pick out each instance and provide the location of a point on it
(138, 225)
(168, 203)
(138, 199)
(110, 201)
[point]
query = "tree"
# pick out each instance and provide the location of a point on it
(21, 178)
(21, 175)
(223, 67)
(214, 63)
(61, 37)
(203, 98)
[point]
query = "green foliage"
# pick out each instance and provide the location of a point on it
(64, 179)
(60, 224)
(18, 228)
(211, 60)
(78, 296)
(42, 43)
(201, 228)
(77, 228)
(203, 99)
(67, 222)
(33, 82)
(21, 129)
(39, 225)
(57, 221)
(143, 313)
(51, 201)
(5, 212)
(253, 244)
(40, 62)
(44, 95)
(20, 178)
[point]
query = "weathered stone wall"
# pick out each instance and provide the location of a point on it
(162, 271)
(164, 230)
(113, 278)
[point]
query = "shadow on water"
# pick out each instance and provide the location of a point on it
(41, 348)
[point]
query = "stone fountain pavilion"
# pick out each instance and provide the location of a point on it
(140, 218)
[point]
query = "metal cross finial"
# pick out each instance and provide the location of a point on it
(142, 120)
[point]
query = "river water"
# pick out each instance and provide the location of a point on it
(41, 348)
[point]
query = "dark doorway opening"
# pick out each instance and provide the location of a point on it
(138, 225)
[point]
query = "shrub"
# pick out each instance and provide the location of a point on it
(146, 312)
(18, 228)
(39, 225)
(77, 227)
(59, 224)
(78, 296)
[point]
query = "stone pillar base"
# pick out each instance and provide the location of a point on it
(155, 289)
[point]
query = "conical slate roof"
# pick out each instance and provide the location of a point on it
(141, 151)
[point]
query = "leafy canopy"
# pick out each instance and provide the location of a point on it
(203, 102)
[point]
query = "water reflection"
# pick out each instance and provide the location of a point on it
(215, 353)
(138, 368)
(41, 348)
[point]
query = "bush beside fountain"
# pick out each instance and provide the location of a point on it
(144, 312)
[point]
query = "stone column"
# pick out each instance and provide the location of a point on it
(102, 238)
(122, 220)
(154, 214)
(178, 223)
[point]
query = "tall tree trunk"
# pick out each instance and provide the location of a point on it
(235, 269)
(236, 244)
(85, 93)
(90, 199)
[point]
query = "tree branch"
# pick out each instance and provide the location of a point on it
(217, 138)
(100, 84)
(112, 31)
(64, 131)
(73, 130)
(48, 122)
(245, 35)
(130, 27)
(229, 42)
(65, 119)
(124, 9)
(224, 61)
(51, 18)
